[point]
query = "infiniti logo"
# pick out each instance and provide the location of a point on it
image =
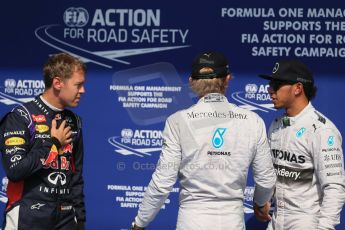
(54, 177)
(16, 158)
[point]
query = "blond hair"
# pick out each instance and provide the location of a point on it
(201, 87)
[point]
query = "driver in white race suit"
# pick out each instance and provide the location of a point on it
(210, 147)
(306, 148)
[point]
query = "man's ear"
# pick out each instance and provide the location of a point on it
(228, 78)
(299, 89)
(57, 83)
(190, 79)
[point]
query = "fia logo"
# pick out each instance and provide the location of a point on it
(76, 17)
(3, 192)
(217, 139)
(251, 88)
(10, 83)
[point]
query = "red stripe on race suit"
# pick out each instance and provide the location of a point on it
(14, 192)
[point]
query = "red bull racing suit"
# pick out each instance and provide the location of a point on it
(210, 147)
(45, 188)
(308, 159)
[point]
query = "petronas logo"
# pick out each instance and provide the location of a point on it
(217, 139)
(330, 140)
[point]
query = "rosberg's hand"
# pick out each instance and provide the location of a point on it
(136, 227)
(63, 134)
(262, 213)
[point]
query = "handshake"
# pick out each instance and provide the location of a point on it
(136, 227)
(262, 213)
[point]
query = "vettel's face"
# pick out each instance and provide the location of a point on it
(72, 89)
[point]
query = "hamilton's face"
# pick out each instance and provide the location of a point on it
(281, 94)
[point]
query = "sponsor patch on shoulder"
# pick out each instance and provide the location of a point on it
(14, 141)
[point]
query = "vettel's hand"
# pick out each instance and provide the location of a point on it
(262, 214)
(63, 133)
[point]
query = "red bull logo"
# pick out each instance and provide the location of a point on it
(64, 164)
(52, 155)
(67, 148)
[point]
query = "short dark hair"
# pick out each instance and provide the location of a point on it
(61, 65)
(310, 91)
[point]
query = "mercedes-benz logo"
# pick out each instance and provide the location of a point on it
(54, 177)
(275, 68)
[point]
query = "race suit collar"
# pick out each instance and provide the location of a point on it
(50, 105)
(213, 97)
(294, 119)
(44, 107)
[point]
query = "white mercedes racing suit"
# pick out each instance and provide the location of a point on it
(308, 159)
(210, 147)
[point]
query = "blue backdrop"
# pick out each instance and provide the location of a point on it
(139, 56)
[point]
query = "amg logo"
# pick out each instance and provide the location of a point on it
(287, 156)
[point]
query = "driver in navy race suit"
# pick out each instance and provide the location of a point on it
(41, 145)
(210, 147)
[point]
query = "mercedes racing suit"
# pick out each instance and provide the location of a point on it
(45, 187)
(308, 159)
(210, 147)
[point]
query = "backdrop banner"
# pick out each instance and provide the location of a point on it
(139, 56)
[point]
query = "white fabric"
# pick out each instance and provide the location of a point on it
(12, 218)
(210, 147)
(308, 158)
